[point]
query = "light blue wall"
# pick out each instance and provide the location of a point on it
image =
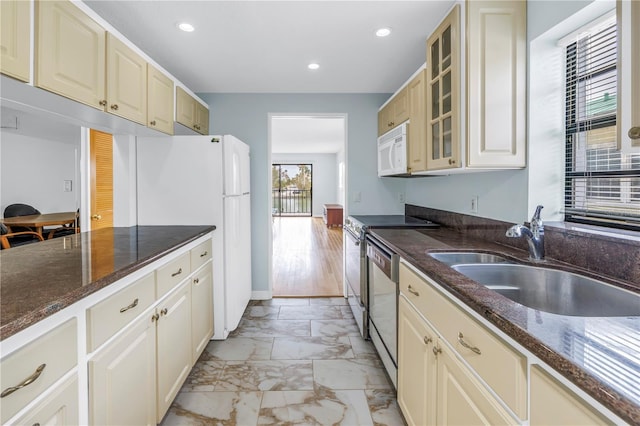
(246, 117)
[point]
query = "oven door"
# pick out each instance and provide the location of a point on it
(356, 276)
(383, 303)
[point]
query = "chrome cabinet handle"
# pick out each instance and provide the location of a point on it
(634, 132)
(26, 382)
(427, 340)
(177, 273)
(131, 306)
(436, 350)
(204, 254)
(164, 311)
(466, 345)
(412, 291)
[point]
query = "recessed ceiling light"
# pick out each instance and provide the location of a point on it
(186, 27)
(383, 32)
(313, 66)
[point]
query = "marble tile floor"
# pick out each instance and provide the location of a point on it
(289, 362)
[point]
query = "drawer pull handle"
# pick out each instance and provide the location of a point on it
(196, 280)
(427, 340)
(204, 254)
(155, 317)
(177, 273)
(466, 345)
(164, 311)
(26, 382)
(436, 350)
(412, 291)
(131, 306)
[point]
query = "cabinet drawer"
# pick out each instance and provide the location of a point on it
(107, 317)
(500, 366)
(57, 351)
(200, 255)
(172, 273)
(59, 408)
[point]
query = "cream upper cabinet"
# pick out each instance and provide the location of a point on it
(201, 310)
(126, 81)
(496, 83)
(416, 367)
(191, 113)
(15, 38)
(124, 369)
(70, 53)
(174, 350)
(395, 112)
(160, 101)
(552, 404)
(443, 94)
(417, 92)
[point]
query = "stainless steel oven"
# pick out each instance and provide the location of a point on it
(383, 269)
(356, 275)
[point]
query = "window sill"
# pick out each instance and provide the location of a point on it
(594, 231)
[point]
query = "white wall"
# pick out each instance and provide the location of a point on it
(33, 171)
(324, 179)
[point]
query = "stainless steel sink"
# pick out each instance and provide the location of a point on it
(554, 291)
(456, 258)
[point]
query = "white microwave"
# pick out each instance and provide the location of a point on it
(392, 151)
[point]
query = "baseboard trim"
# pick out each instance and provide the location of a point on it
(261, 295)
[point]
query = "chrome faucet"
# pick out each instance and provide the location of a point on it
(534, 235)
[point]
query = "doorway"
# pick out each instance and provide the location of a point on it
(292, 191)
(307, 161)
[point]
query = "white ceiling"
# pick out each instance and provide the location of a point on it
(265, 46)
(299, 134)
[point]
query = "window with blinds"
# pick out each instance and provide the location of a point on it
(602, 183)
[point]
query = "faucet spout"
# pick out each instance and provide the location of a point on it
(533, 235)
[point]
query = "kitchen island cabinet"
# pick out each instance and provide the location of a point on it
(116, 355)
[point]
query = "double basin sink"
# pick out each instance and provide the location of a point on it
(549, 290)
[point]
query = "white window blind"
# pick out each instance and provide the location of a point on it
(602, 184)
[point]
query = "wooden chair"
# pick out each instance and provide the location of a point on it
(5, 235)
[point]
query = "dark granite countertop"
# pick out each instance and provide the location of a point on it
(37, 280)
(600, 355)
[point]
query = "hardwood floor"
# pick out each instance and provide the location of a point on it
(307, 258)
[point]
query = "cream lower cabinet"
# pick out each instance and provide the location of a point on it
(173, 346)
(201, 310)
(434, 387)
(552, 404)
(59, 408)
(122, 378)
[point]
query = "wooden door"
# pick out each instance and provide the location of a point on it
(15, 34)
(101, 152)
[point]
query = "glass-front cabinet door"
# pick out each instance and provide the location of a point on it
(443, 94)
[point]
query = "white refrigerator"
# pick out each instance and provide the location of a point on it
(203, 180)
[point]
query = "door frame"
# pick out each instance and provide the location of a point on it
(269, 189)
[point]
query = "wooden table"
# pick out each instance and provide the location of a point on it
(39, 221)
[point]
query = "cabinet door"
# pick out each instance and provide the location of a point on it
(628, 129)
(173, 346)
(122, 378)
(59, 408)
(385, 119)
(496, 83)
(418, 125)
(461, 399)
(15, 38)
(416, 367)
(443, 94)
(202, 119)
(159, 100)
(553, 404)
(401, 107)
(126, 81)
(70, 53)
(201, 310)
(185, 108)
